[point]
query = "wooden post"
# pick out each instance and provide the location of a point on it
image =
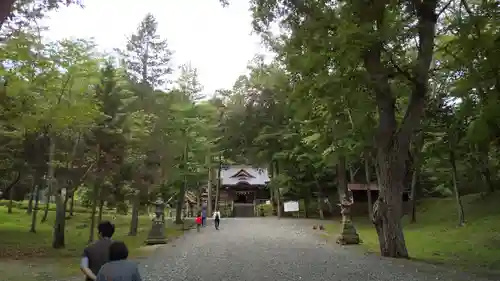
(232, 208)
(254, 203)
(219, 183)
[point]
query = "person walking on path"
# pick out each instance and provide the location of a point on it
(217, 219)
(198, 220)
(119, 268)
(97, 254)
(204, 217)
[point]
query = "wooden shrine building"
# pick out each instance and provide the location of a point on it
(242, 188)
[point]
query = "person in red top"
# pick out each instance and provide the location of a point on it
(198, 221)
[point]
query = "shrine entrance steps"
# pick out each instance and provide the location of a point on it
(244, 210)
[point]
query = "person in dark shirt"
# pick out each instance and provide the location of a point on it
(203, 217)
(97, 253)
(119, 268)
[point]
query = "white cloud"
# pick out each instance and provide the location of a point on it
(214, 39)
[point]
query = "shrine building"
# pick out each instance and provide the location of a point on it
(242, 189)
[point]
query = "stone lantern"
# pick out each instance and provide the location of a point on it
(348, 234)
(157, 233)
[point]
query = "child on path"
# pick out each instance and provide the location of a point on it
(217, 219)
(198, 222)
(119, 268)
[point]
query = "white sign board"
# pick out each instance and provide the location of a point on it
(291, 206)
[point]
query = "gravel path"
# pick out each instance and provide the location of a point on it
(261, 249)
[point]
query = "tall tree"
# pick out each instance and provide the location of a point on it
(147, 56)
(189, 83)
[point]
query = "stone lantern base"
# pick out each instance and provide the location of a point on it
(348, 234)
(157, 234)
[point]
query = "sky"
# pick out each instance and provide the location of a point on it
(215, 40)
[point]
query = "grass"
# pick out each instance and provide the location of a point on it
(29, 256)
(52, 206)
(436, 238)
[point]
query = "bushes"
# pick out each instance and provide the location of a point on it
(122, 208)
(265, 210)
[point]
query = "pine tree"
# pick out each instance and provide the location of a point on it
(108, 135)
(147, 57)
(188, 83)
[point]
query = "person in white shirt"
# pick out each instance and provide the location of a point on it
(217, 219)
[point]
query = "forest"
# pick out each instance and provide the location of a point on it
(403, 94)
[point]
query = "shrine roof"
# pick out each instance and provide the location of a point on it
(237, 174)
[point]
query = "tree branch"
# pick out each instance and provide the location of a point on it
(426, 27)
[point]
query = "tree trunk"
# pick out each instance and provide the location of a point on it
(98, 181)
(278, 202)
(99, 213)
(417, 164)
(320, 199)
(6, 7)
(393, 140)
(219, 183)
(182, 192)
(390, 204)
(271, 200)
(320, 208)
(198, 198)
(484, 166)
(95, 194)
(29, 210)
(413, 195)
(66, 201)
(60, 221)
(72, 204)
(368, 183)
(329, 204)
(11, 192)
(460, 207)
(342, 188)
(35, 207)
(377, 174)
(47, 205)
(180, 202)
(487, 176)
(134, 220)
(352, 174)
(272, 193)
(50, 177)
(209, 184)
(11, 201)
(277, 192)
(307, 202)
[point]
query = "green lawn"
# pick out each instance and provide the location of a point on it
(436, 238)
(28, 256)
